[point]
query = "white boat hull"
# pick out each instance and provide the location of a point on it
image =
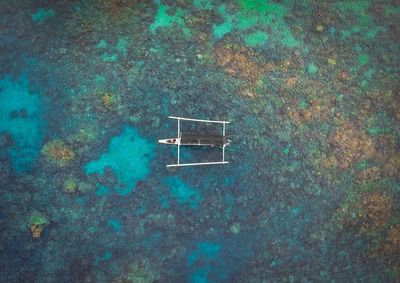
(174, 141)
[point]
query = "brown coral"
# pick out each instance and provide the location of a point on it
(106, 100)
(290, 82)
(300, 116)
(388, 155)
(369, 174)
(375, 209)
(318, 109)
(237, 62)
(58, 153)
(392, 166)
(36, 230)
(390, 249)
(240, 62)
(350, 145)
(392, 243)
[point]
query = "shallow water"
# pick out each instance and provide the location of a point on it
(311, 90)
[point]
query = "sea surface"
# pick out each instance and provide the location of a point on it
(312, 93)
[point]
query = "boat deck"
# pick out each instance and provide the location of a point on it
(203, 139)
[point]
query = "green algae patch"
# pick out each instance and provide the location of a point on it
(128, 157)
(222, 29)
(21, 116)
(363, 59)
(70, 185)
(42, 15)
(257, 38)
(100, 81)
(376, 131)
(366, 78)
(288, 40)
(365, 22)
(303, 104)
(183, 194)
(37, 218)
(357, 9)
(203, 4)
(106, 57)
(348, 32)
(267, 15)
(286, 150)
(102, 44)
(122, 46)
(272, 16)
(121, 49)
(163, 19)
(312, 69)
(392, 10)
(372, 32)
(380, 124)
(227, 26)
(369, 33)
(253, 5)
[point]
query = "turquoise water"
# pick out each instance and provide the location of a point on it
(312, 93)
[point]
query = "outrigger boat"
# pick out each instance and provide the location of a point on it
(202, 139)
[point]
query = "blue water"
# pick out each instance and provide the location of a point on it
(312, 93)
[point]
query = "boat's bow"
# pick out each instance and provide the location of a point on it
(169, 141)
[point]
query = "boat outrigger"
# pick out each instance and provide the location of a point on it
(202, 139)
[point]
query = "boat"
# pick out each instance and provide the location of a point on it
(198, 139)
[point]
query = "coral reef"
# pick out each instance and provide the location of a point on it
(140, 271)
(350, 144)
(70, 185)
(107, 100)
(370, 213)
(58, 153)
(375, 209)
(311, 190)
(392, 242)
(388, 155)
(388, 249)
(36, 230)
(369, 174)
(240, 62)
(36, 223)
(317, 109)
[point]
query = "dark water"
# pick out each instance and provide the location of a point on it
(312, 93)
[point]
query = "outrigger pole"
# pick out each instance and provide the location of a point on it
(211, 140)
